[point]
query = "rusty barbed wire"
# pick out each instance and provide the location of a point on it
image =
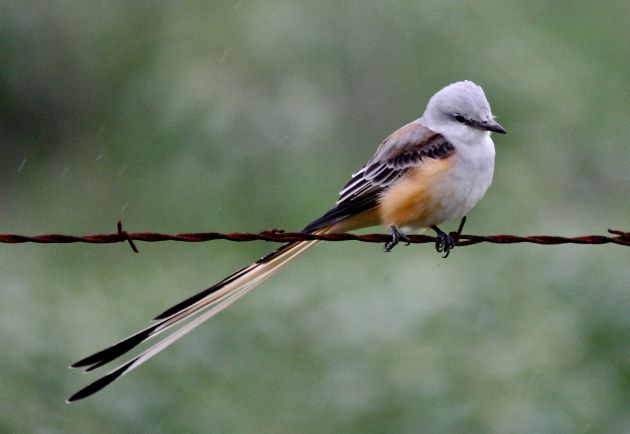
(621, 238)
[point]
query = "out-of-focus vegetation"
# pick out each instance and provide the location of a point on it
(244, 116)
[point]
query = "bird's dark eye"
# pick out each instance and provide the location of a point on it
(460, 119)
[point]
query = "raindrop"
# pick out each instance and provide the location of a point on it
(124, 207)
(65, 170)
(100, 157)
(22, 165)
(122, 171)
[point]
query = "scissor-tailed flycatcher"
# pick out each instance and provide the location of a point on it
(432, 170)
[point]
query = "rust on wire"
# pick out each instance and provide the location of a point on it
(277, 235)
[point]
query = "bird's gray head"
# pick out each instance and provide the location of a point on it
(460, 105)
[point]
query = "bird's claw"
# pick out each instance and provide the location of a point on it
(444, 242)
(397, 237)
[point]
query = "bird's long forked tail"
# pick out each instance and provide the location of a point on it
(191, 312)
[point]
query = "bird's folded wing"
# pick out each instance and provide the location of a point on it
(403, 150)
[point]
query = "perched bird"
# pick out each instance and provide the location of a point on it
(431, 170)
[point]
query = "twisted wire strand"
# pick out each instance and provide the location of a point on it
(618, 237)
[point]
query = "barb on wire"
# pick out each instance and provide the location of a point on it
(621, 238)
(126, 236)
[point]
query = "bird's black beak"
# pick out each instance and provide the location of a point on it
(493, 126)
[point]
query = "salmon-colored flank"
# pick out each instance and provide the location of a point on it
(413, 200)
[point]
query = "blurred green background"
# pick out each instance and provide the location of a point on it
(245, 116)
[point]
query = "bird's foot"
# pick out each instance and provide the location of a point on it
(444, 242)
(397, 237)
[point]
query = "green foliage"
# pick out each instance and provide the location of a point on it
(244, 116)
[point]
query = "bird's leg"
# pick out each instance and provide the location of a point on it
(396, 238)
(460, 229)
(444, 242)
